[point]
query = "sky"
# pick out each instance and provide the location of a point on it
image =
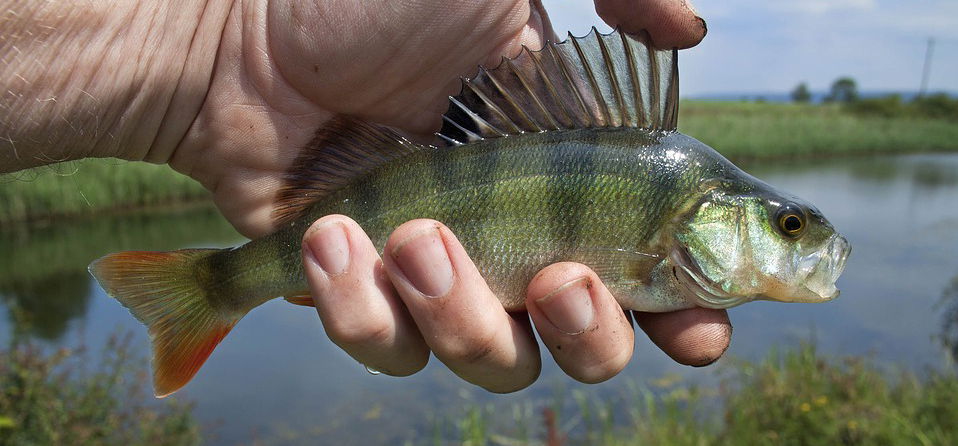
(769, 46)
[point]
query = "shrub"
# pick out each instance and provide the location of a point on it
(53, 398)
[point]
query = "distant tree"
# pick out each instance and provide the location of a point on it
(801, 93)
(844, 90)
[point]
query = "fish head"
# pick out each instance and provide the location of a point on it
(747, 241)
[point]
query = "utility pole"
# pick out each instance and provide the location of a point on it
(927, 70)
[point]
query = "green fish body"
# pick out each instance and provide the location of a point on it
(568, 154)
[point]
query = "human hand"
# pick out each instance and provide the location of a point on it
(378, 310)
(426, 295)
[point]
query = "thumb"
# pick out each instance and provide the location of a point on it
(671, 23)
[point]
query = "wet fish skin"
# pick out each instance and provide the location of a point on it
(601, 197)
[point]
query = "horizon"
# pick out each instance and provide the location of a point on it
(763, 46)
(817, 95)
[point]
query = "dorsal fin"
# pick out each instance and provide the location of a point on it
(598, 80)
(342, 150)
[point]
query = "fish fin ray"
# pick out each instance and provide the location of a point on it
(598, 80)
(165, 292)
(342, 150)
(622, 264)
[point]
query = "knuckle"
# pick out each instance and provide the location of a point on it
(469, 349)
(598, 373)
(601, 370)
(366, 332)
(517, 380)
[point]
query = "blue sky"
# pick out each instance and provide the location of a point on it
(771, 45)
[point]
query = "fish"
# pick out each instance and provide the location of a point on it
(568, 153)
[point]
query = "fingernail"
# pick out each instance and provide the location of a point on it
(569, 307)
(329, 248)
(423, 260)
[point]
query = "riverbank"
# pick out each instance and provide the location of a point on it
(740, 130)
(93, 186)
(747, 130)
(796, 397)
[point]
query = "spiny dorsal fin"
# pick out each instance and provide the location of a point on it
(611, 80)
(342, 150)
(598, 80)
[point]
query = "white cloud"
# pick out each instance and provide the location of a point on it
(763, 46)
(817, 7)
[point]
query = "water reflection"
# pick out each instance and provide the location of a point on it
(925, 174)
(42, 308)
(43, 279)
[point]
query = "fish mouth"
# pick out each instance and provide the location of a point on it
(700, 289)
(820, 270)
(817, 273)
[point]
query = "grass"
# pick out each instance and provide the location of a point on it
(743, 130)
(740, 130)
(92, 186)
(797, 397)
(59, 398)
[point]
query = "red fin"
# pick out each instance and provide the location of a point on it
(342, 150)
(166, 292)
(304, 299)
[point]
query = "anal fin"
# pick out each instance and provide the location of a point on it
(305, 300)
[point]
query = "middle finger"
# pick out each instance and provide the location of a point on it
(460, 318)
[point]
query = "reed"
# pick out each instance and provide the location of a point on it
(747, 130)
(92, 186)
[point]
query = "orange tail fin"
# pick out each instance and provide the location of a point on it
(165, 291)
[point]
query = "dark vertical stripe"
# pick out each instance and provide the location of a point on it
(446, 173)
(476, 169)
(368, 202)
(664, 173)
(570, 185)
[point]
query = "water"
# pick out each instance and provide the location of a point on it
(277, 377)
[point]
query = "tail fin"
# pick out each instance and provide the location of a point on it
(166, 291)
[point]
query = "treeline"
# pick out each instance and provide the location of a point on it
(844, 91)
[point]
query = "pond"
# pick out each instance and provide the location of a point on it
(277, 378)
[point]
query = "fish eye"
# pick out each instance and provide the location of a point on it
(791, 220)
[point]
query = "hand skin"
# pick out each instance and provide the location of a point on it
(228, 92)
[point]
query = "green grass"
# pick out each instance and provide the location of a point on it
(67, 397)
(743, 130)
(740, 130)
(92, 186)
(794, 398)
